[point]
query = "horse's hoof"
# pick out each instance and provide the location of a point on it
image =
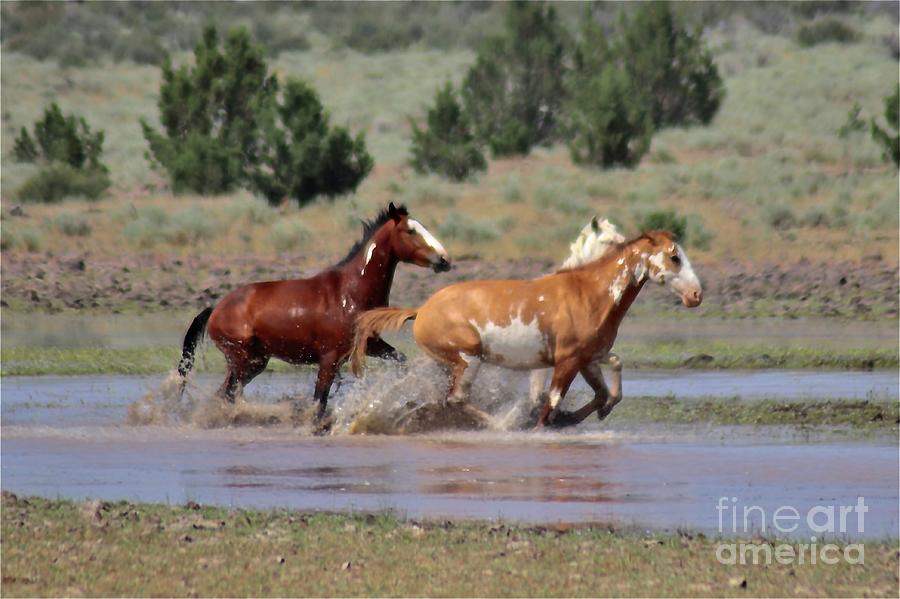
(322, 426)
(562, 420)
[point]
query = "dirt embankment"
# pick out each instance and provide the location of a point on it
(45, 282)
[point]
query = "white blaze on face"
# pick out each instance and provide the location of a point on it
(681, 281)
(430, 239)
(517, 345)
(369, 253)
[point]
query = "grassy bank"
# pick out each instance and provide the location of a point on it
(21, 361)
(861, 416)
(65, 548)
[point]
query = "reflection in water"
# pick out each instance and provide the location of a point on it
(65, 436)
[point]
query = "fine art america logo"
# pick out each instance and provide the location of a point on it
(827, 520)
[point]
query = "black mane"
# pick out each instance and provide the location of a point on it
(369, 228)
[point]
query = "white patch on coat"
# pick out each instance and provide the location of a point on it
(555, 398)
(619, 285)
(640, 270)
(518, 345)
(430, 239)
(468, 376)
(369, 253)
(659, 261)
(296, 311)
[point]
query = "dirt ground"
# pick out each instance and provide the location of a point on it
(47, 282)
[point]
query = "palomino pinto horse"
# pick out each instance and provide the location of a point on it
(592, 242)
(310, 321)
(567, 320)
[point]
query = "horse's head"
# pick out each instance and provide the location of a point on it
(412, 242)
(667, 264)
(595, 239)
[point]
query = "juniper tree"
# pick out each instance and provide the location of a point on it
(447, 146)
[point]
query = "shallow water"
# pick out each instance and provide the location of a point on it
(67, 436)
(101, 400)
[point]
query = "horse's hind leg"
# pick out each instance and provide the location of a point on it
(243, 367)
(463, 373)
(615, 387)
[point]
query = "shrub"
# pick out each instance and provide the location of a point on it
(825, 30)
(208, 112)
(289, 234)
(890, 143)
(666, 220)
(59, 181)
(458, 226)
(428, 191)
(64, 139)
(512, 190)
(696, 234)
(146, 226)
(448, 146)
(227, 125)
(779, 217)
(514, 91)
(673, 69)
(560, 198)
(251, 210)
(606, 121)
(301, 157)
(72, 225)
(31, 239)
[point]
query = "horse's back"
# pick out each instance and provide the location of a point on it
(285, 317)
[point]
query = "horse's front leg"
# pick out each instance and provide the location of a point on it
(615, 387)
(377, 347)
(604, 398)
(563, 374)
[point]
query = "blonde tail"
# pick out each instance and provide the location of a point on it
(372, 323)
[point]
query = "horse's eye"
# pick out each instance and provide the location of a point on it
(411, 231)
(676, 259)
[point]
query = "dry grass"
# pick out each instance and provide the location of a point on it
(100, 549)
(774, 143)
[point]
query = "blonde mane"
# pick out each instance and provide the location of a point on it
(592, 243)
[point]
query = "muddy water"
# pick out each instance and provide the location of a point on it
(68, 437)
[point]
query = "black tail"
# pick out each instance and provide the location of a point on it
(191, 338)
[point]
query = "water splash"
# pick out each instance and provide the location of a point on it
(390, 400)
(199, 406)
(410, 399)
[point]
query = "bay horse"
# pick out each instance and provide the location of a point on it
(568, 320)
(310, 321)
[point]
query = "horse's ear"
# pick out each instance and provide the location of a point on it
(393, 212)
(595, 224)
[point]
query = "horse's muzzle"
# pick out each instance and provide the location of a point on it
(692, 298)
(443, 265)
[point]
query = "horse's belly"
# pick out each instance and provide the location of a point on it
(516, 345)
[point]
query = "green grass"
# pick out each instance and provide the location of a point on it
(21, 360)
(863, 416)
(56, 548)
